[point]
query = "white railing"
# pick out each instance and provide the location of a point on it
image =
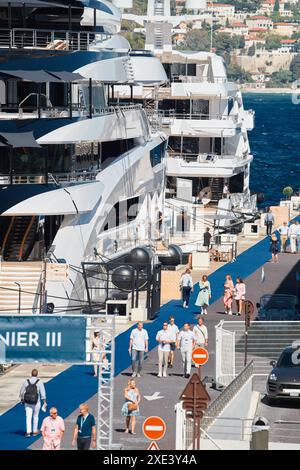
(49, 39)
(265, 342)
(235, 427)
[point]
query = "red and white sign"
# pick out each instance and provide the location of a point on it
(200, 356)
(153, 446)
(154, 428)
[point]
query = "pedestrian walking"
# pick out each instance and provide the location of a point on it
(173, 330)
(274, 248)
(228, 294)
(240, 293)
(201, 334)
(95, 347)
(130, 409)
(283, 230)
(53, 428)
(31, 394)
(85, 429)
(164, 340)
(204, 295)
(298, 236)
(206, 238)
(186, 287)
(226, 192)
(269, 221)
(138, 346)
(186, 342)
(293, 233)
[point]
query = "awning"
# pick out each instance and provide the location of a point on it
(75, 199)
(41, 76)
(18, 139)
(36, 76)
(67, 76)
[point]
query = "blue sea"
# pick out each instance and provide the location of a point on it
(275, 144)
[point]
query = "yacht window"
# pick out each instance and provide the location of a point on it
(156, 154)
(122, 212)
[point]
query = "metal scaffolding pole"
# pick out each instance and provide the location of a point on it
(106, 384)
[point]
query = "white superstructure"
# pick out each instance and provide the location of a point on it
(81, 175)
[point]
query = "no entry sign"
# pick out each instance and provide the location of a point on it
(154, 428)
(200, 356)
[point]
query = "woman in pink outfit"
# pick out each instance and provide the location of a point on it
(228, 295)
(240, 292)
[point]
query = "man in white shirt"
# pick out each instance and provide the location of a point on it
(292, 233)
(31, 394)
(283, 230)
(201, 335)
(173, 330)
(186, 286)
(186, 342)
(138, 346)
(163, 338)
(226, 192)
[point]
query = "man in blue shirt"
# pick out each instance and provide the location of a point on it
(85, 429)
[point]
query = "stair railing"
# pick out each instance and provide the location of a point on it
(6, 236)
(25, 237)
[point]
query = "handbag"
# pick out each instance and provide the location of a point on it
(132, 407)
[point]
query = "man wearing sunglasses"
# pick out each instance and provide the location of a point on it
(53, 429)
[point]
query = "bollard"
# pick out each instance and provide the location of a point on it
(260, 434)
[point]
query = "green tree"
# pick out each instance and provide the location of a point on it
(197, 40)
(237, 74)
(272, 42)
(136, 40)
(295, 67)
(280, 79)
(252, 50)
(276, 6)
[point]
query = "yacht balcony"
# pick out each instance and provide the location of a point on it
(56, 179)
(74, 111)
(24, 38)
(190, 124)
(210, 165)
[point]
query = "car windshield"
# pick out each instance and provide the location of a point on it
(278, 302)
(288, 360)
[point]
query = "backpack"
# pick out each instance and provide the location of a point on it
(31, 394)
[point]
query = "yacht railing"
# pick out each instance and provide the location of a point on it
(196, 79)
(49, 39)
(76, 110)
(205, 158)
(172, 114)
(55, 178)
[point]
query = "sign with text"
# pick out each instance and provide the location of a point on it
(57, 272)
(42, 338)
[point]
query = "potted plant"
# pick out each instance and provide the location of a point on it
(287, 191)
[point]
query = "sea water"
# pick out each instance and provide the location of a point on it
(274, 143)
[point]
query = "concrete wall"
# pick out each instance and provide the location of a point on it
(265, 62)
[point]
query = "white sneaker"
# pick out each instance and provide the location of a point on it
(159, 375)
(134, 374)
(184, 304)
(165, 374)
(205, 312)
(230, 312)
(138, 374)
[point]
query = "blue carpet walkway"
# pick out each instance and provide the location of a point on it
(76, 384)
